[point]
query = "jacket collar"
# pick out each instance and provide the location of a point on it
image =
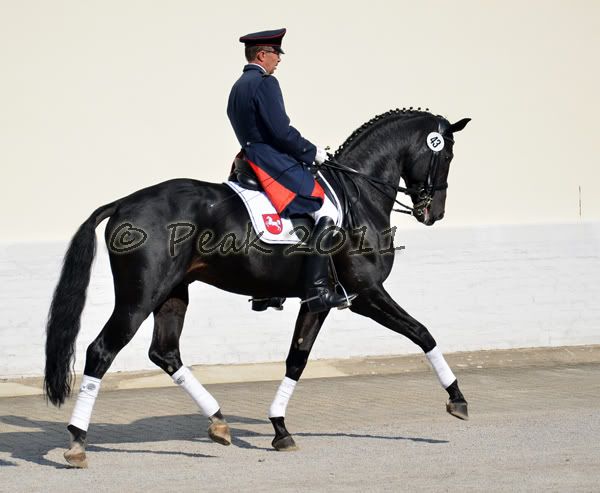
(254, 66)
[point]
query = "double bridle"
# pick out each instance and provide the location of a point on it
(424, 193)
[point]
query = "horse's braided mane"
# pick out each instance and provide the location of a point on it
(401, 113)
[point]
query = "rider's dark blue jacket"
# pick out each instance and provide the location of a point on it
(275, 149)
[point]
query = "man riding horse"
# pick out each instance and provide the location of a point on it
(151, 278)
(280, 156)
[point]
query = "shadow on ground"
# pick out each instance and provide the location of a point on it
(32, 446)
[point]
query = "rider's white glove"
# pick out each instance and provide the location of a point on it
(321, 156)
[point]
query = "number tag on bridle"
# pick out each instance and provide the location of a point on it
(435, 141)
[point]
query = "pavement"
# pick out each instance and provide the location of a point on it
(382, 426)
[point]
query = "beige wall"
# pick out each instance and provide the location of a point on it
(98, 99)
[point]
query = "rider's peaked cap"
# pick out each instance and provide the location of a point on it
(265, 38)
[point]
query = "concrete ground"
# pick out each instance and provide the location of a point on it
(534, 426)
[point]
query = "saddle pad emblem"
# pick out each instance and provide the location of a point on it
(273, 223)
(270, 226)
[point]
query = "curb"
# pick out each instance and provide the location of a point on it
(370, 365)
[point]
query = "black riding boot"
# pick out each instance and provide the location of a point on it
(261, 304)
(319, 295)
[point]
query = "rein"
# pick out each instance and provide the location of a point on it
(424, 193)
(330, 163)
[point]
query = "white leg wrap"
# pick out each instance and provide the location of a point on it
(282, 397)
(185, 378)
(442, 370)
(82, 413)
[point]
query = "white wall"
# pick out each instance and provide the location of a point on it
(475, 288)
(98, 99)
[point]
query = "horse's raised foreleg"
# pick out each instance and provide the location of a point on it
(164, 352)
(306, 331)
(378, 305)
(118, 331)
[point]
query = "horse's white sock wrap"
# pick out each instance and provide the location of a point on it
(82, 413)
(185, 378)
(282, 397)
(442, 370)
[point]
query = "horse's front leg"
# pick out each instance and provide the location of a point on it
(378, 305)
(306, 331)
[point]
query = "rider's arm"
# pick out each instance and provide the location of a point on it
(271, 110)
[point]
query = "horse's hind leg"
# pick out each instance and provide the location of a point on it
(378, 305)
(164, 352)
(305, 333)
(118, 331)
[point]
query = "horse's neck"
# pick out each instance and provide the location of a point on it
(379, 152)
(381, 158)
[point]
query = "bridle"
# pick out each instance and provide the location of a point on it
(424, 193)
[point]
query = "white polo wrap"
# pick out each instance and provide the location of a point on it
(442, 370)
(282, 397)
(82, 413)
(186, 379)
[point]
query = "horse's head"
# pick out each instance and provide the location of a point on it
(427, 172)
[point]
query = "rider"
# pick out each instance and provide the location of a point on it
(279, 156)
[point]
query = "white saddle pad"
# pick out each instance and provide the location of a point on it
(266, 222)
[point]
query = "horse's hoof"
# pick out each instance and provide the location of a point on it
(219, 432)
(76, 457)
(458, 409)
(284, 444)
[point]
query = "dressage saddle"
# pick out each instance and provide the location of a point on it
(242, 173)
(320, 296)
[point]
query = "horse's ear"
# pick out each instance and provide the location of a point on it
(458, 126)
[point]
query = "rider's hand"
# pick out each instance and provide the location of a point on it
(321, 156)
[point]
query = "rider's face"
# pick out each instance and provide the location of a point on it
(269, 60)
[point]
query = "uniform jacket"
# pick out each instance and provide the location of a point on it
(276, 150)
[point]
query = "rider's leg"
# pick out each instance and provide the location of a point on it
(327, 210)
(319, 296)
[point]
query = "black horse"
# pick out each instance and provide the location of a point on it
(164, 237)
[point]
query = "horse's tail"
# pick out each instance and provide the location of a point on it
(67, 304)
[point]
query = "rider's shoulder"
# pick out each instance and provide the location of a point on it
(270, 80)
(269, 86)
